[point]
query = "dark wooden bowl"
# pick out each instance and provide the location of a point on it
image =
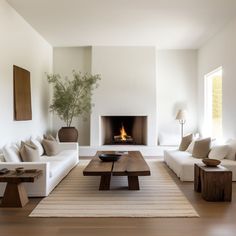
(211, 162)
(109, 157)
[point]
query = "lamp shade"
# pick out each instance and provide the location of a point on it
(181, 115)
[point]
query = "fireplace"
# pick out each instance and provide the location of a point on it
(124, 130)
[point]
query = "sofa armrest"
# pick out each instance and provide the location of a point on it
(69, 146)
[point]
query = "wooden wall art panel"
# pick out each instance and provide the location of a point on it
(22, 94)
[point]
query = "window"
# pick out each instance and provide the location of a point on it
(213, 103)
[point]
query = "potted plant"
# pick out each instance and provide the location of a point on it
(72, 98)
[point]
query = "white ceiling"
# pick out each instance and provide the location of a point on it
(167, 24)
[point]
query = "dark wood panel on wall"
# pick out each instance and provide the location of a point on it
(22, 94)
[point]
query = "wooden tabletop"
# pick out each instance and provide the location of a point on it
(218, 168)
(13, 177)
(131, 164)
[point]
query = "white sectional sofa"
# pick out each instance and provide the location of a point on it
(182, 163)
(54, 168)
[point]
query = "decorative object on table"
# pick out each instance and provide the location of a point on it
(109, 157)
(22, 94)
(71, 99)
(4, 171)
(122, 152)
(181, 117)
(211, 162)
(19, 170)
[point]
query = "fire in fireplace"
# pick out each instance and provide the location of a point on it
(118, 130)
(123, 137)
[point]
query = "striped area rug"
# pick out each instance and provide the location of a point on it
(78, 196)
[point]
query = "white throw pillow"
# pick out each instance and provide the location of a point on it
(190, 147)
(232, 149)
(11, 153)
(39, 146)
(219, 152)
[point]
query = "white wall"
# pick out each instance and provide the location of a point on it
(65, 60)
(128, 86)
(220, 51)
(176, 89)
(21, 45)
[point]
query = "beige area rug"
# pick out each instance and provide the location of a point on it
(78, 196)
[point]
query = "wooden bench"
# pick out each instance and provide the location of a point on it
(131, 165)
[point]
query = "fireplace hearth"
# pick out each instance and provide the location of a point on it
(124, 130)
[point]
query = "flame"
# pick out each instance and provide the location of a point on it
(123, 134)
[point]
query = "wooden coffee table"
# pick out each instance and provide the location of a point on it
(15, 194)
(131, 165)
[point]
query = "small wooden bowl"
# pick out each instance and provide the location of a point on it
(211, 162)
(19, 170)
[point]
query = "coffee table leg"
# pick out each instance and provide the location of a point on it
(14, 195)
(105, 182)
(133, 182)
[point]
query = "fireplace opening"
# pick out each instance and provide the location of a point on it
(124, 130)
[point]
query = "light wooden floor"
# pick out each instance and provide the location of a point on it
(216, 219)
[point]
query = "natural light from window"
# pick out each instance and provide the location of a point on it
(213, 103)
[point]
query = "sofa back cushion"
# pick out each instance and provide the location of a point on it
(232, 149)
(201, 148)
(49, 137)
(219, 152)
(29, 152)
(185, 142)
(190, 147)
(39, 146)
(51, 147)
(11, 153)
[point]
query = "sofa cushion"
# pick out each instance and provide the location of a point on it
(11, 153)
(39, 146)
(182, 163)
(49, 137)
(190, 147)
(219, 152)
(55, 168)
(63, 156)
(51, 147)
(185, 142)
(201, 148)
(232, 149)
(29, 152)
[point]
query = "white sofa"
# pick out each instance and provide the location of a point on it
(54, 168)
(182, 163)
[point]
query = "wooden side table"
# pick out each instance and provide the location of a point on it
(215, 183)
(15, 194)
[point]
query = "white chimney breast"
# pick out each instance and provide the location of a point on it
(127, 88)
